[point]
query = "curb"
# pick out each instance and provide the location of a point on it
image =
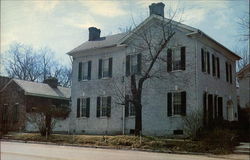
(114, 148)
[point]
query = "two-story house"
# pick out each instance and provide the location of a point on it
(199, 78)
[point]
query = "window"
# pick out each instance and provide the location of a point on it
(205, 60)
(5, 112)
(105, 68)
(229, 75)
(133, 64)
(84, 71)
(176, 103)
(83, 107)
(129, 107)
(176, 58)
(103, 107)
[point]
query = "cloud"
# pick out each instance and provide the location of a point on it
(45, 5)
(104, 8)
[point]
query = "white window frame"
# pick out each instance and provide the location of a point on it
(103, 68)
(83, 107)
(133, 67)
(85, 69)
(103, 107)
(173, 105)
(131, 111)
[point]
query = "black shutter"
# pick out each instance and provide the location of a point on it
(203, 60)
(208, 62)
(215, 107)
(127, 65)
(100, 69)
(169, 104)
(183, 103)
(109, 107)
(205, 108)
(110, 67)
(218, 67)
(80, 71)
(220, 107)
(226, 71)
(139, 63)
(98, 106)
(230, 72)
(213, 63)
(89, 70)
(169, 60)
(78, 108)
(126, 105)
(183, 58)
(87, 107)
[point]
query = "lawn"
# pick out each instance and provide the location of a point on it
(161, 144)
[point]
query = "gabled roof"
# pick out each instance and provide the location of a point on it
(42, 89)
(103, 42)
(245, 69)
(117, 39)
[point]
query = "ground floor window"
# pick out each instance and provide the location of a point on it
(176, 103)
(103, 107)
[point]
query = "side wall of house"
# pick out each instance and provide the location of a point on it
(244, 90)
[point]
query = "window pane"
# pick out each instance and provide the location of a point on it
(105, 71)
(83, 107)
(176, 59)
(177, 103)
(133, 64)
(104, 106)
(85, 71)
(131, 110)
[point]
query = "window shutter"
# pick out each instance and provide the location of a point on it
(208, 62)
(215, 107)
(203, 60)
(218, 67)
(220, 107)
(110, 67)
(127, 65)
(98, 107)
(126, 105)
(169, 60)
(89, 70)
(205, 108)
(100, 69)
(88, 107)
(139, 63)
(169, 104)
(226, 71)
(213, 63)
(230, 72)
(80, 71)
(183, 103)
(183, 58)
(109, 107)
(78, 108)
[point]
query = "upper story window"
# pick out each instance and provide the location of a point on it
(83, 107)
(84, 71)
(176, 58)
(205, 61)
(229, 75)
(133, 64)
(105, 68)
(176, 103)
(129, 107)
(216, 66)
(103, 107)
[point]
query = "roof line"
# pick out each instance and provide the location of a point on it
(6, 85)
(46, 96)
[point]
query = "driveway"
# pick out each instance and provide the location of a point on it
(28, 151)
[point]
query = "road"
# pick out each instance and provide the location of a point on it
(28, 151)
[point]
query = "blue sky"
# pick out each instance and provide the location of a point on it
(63, 25)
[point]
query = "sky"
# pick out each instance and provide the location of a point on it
(63, 25)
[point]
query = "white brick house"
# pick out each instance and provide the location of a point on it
(203, 79)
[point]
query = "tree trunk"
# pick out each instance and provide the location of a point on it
(48, 124)
(138, 120)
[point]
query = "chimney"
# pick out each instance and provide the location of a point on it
(52, 82)
(94, 33)
(157, 9)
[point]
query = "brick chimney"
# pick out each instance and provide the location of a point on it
(94, 33)
(52, 82)
(157, 9)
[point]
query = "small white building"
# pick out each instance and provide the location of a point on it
(199, 78)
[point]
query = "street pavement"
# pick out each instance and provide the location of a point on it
(28, 151)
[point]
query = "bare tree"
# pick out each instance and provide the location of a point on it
(244, 53)
(244, 26)
(26, 63)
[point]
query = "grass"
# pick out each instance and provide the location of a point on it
(129, 142)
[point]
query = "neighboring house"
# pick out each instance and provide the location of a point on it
(18, 98)
(244, 87)
(203, 82)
